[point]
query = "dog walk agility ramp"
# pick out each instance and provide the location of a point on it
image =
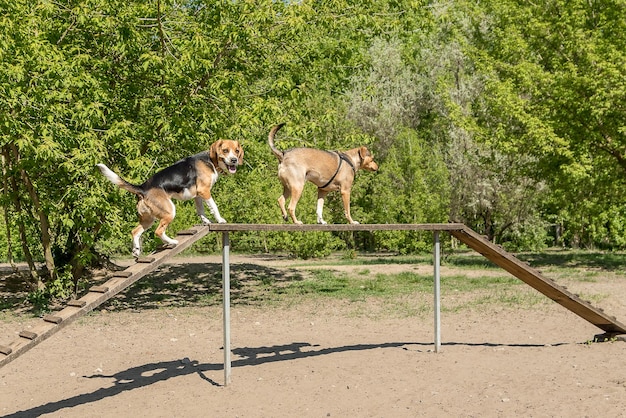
(121, 280)
(97, 295)
(536, 280)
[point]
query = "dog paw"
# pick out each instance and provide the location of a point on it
(221, 221)
(354, 222)
(136, 252)
(298, 222)
(205, 220)
(322, 222)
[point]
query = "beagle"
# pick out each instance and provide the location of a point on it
(190, 178)
(328, 170)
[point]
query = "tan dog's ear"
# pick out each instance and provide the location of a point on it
(213, 150)
(363, 152)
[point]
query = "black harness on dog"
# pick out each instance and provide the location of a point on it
(342, 157)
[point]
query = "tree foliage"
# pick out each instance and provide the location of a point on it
(504, 115)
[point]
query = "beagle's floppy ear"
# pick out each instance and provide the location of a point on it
(213, 150)
(239, 152)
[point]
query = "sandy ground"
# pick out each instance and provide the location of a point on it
(329, 359)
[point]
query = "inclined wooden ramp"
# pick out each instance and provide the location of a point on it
(97, 295)
(609, 324)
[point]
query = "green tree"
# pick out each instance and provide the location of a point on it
(556, 91)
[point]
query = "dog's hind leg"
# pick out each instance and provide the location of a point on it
(321, 194)
(136, 234)
(160, 232)
(293, 202)
(166, 218)
(281, 202)
(145, 222)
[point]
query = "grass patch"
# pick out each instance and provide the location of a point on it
(476, 284)
(330, 283)
(370, 284)
(500, 297)
(577, 259)
(463, 260)
(405, 293)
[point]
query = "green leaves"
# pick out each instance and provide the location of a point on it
(503, 114)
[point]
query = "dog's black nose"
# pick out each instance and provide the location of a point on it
(234, 160)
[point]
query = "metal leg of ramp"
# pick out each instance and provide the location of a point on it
(226, 305)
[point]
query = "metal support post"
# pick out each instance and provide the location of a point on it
(437, 292)
(226, 304)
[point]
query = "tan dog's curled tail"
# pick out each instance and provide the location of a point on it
(118, 181)
(270, 140)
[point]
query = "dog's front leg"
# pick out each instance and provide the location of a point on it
(345, 196)
(200, 210)
(320, 206)
(215, 211)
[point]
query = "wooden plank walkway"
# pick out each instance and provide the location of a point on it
(96, 296)
(334, 227)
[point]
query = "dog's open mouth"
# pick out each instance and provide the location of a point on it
(231, 168)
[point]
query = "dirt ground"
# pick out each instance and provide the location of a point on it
(328, 359)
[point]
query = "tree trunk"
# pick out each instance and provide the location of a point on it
(15, 197)
(7, 216)
(44, 224)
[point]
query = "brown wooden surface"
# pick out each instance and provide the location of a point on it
(289, 227)
(53, 318)
(537, 281)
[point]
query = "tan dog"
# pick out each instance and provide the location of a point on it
(190, 178)
(328, 170)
